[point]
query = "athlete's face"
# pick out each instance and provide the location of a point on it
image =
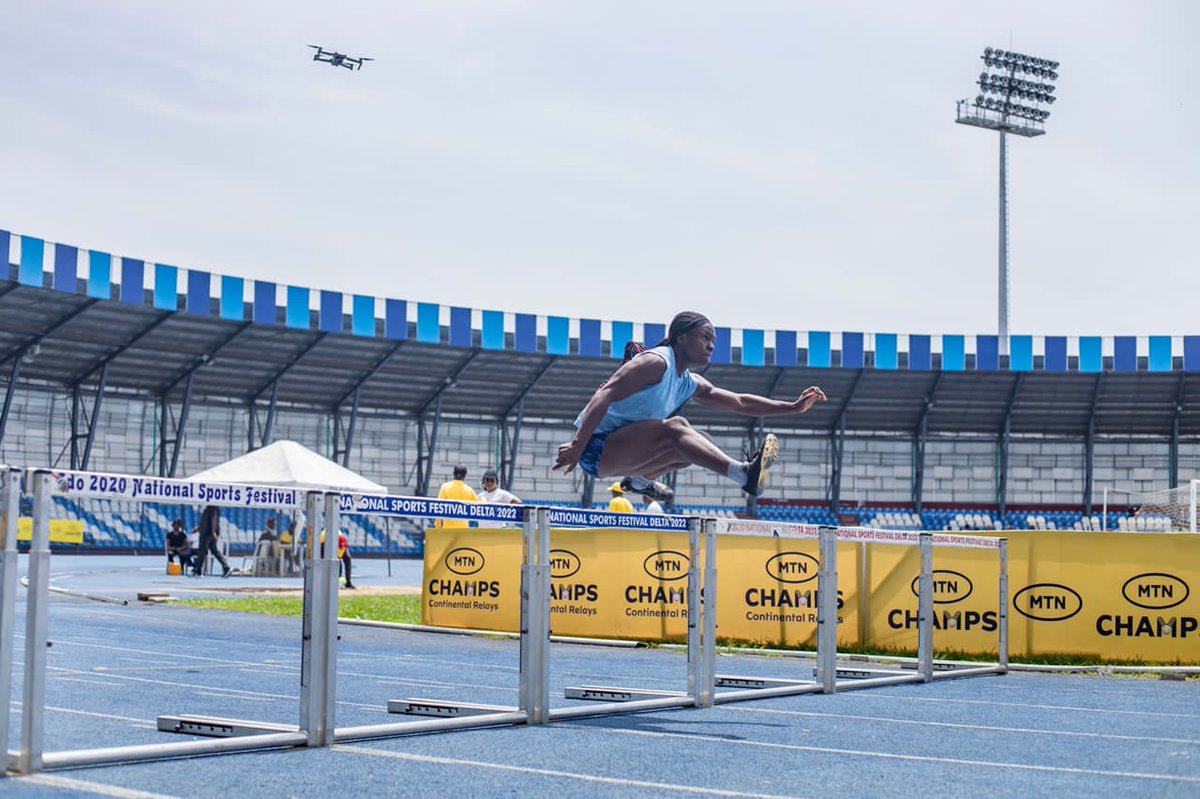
(698, 345)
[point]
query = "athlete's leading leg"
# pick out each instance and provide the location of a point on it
(636, 448)
(653, 447)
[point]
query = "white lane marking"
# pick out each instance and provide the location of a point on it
(75, 712)
(86, 786)
(658, 786)
(994, 704)
(918, 722)
(84, 680)
(954, 761)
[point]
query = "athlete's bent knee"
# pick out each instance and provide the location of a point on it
(677, 426)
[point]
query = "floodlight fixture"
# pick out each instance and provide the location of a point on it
(1014, 92)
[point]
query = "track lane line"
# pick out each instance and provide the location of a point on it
(956, 725)
(953, 761)
(541, 772)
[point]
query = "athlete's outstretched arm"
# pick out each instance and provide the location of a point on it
(711, 396)
(631, 378)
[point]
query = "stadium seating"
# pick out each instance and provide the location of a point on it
(798, 514)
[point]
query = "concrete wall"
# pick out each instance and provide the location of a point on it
(958, 470)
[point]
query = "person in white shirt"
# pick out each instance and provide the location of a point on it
(652, 505)
(492, 492)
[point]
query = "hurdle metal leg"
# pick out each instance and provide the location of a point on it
(33, 697)
(695, 652)
(708, 607)
(1003, 600)
(10, 499)
(827, 611)
(925, 609)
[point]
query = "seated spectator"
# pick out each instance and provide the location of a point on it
(178, 547)
(288, 549)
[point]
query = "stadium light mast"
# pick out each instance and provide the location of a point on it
(1013, 94)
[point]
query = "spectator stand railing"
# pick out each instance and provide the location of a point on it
(230, 735)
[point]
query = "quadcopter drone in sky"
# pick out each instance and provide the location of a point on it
(338, 59)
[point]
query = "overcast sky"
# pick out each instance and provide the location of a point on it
(789, 165)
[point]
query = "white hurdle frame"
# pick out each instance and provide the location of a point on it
(747, 688)
(231, 735)
(531, 690)
(827, 673)
(611, 700)
(927, 668)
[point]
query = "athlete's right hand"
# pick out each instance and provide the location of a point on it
(568, 457)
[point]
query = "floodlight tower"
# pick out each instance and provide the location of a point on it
(1012, 94)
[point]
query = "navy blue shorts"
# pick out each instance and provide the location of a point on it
(590, 460)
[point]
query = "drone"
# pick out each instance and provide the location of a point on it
(338, 59)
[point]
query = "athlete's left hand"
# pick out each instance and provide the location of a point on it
(568, 457)
(808, 398)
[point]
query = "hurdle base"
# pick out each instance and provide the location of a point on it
(604, 693)
(443, 709)
(735, 681)
(214, 727)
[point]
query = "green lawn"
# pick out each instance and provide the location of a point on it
(402, 608)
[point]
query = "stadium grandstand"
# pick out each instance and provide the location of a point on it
(116, 364)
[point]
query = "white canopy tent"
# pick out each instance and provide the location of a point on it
(292, 465)
(286, 463)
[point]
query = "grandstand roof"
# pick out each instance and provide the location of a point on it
(63, 338)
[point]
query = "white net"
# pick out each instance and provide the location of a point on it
(1172, 510)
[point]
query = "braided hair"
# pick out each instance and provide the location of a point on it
(683, 323)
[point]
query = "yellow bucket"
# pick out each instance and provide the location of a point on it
(174, 568)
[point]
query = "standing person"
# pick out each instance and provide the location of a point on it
(492, 492)
(627, 428)
(210, 534)
(618, 503)
(344, 560)
(178, 548)
(456, 489)
(652, 504)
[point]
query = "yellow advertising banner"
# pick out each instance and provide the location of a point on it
(767, 591)
(1101, 595)
(62, 531)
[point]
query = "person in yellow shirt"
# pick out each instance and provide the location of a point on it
(618, 503)
(456, 489)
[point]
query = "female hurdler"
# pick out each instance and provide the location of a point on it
(628, 427)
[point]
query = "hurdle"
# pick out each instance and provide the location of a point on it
(825, 672)
(828, 676)
(226, 735)
(451, 715)
(612, 700)
(926, 667)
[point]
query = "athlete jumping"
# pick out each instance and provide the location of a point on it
(629, 427)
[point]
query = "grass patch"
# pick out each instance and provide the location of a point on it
(399, 608)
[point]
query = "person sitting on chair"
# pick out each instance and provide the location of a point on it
(178, 547)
